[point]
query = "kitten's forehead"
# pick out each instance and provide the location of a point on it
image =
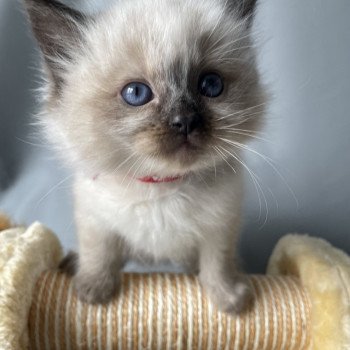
(151, 37)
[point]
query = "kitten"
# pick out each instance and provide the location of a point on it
(149, 102)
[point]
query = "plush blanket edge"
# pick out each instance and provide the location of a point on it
(24, 255)
(325, 273)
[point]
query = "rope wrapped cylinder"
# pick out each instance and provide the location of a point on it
(308, 311)
(163, 311)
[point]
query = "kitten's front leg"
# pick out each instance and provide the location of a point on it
(101, 258)
(227, 289)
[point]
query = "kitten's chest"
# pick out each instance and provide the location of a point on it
(160, 227)
(168, 223)
(158, 223)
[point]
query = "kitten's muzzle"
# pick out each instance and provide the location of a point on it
(186, 125)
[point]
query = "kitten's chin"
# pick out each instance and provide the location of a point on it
(180, 165)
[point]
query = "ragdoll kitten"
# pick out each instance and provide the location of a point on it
(150, 102)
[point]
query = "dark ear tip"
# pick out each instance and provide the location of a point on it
(53, 5)
(40, 3)
(244, 8)
(57, 29)
(248, 8)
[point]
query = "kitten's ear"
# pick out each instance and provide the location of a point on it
(244, 8)
(57, 29)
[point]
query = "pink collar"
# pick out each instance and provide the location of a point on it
(158, 180)
(153, 179)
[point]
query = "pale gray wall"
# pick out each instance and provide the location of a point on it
(305, 57)
(16, 55)
(304, 54)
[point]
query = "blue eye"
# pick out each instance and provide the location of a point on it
(211, 85)
(137, 94)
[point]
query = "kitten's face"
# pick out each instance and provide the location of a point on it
(156, 88)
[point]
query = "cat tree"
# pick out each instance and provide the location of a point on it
(302, 303)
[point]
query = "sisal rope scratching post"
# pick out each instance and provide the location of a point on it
(168, 312)
(303, 303)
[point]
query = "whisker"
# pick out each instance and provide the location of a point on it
(274, 197)
(31, 143)
(269, 161)
(243, 111)
(124, 162)
(132, 178)
(255, 132)
(224, 159)
(130, 168)
(256, 183)
(52, 189)
(233, 131)
(243, 119)
(152, 165)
